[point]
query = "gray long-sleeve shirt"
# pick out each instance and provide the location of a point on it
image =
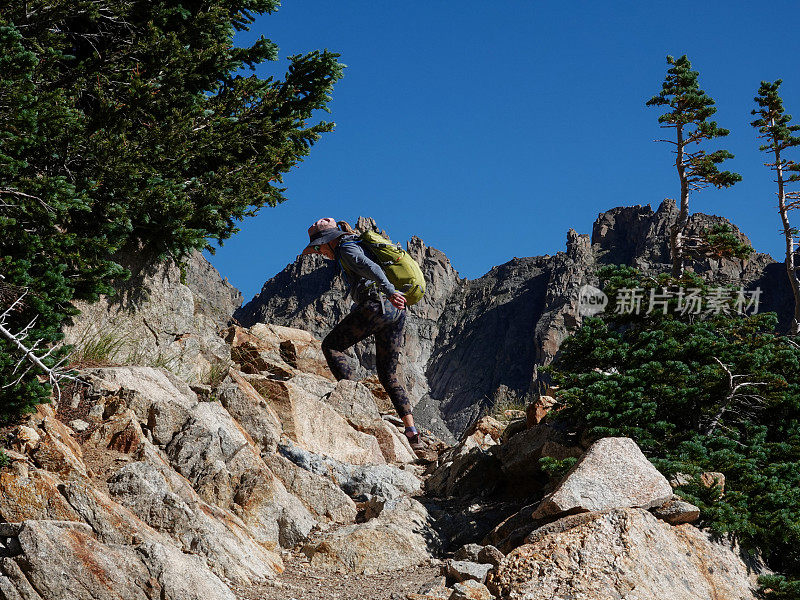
(360, 270)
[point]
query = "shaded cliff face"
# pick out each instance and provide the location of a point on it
(472, 343)
(166, 314)
(214, 296)
(496, 333)
(639, 237)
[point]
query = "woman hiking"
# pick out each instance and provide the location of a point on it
(379, 311)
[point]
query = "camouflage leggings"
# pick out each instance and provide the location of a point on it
(386, 323)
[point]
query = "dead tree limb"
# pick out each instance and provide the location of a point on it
(30, 353)
(734, 397)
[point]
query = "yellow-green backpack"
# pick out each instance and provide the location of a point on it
(400, 268)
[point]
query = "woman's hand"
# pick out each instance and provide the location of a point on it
(398, 300)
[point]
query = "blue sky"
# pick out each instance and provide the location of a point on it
(490, 128)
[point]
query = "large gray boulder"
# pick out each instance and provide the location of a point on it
(355, 402)
(162, 402)
(315, 425)
(399, 537)
(170, 506)
(319, 494)
(360, 482)
(466, 570)
(64, 561)
(251, 410)
(622, 553)
(613, 473)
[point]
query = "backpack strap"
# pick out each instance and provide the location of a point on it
(345, 243)
(372, 284)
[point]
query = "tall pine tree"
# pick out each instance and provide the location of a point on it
(134, 124)
(774, 125)
(689, 110)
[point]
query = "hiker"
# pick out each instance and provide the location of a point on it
(379, 311)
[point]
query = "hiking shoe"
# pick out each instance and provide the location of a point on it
(416, 443)
(424, 454)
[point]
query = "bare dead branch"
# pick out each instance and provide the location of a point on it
(30, 353)
(734, 397)
(13, 192)
(792, 343)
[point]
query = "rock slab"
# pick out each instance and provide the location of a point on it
(398, 538)
(623, 553)
(677, 511)
(65, 561)
(465, 570)
(470, 590)
(613, 473)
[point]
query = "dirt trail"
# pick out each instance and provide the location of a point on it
(302, 582)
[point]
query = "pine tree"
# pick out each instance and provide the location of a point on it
(706, 391)
(37, 253)
(134, 124)
(690, 107)
(774, 125)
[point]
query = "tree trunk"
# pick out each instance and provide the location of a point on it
(676, 229)
(791, 272)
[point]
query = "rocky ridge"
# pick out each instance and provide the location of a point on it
(135, 477)
(138, 484)
(242, 470)
(474, 343)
